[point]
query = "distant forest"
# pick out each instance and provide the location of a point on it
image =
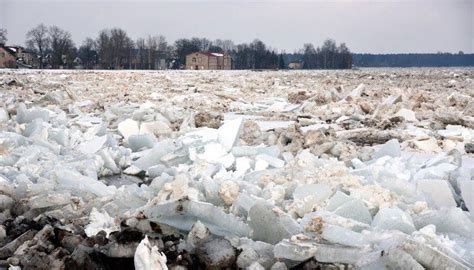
(398, 60)
(413, 60)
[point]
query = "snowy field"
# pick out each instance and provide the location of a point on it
(366, 169)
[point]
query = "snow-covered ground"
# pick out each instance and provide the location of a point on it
(370, 168)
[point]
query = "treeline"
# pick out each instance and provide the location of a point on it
(414, 60)
(114, 49)
(329, 56)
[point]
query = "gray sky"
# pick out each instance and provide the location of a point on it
(371, 26)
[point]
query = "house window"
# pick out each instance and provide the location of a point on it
(2, 54)
(194, 59)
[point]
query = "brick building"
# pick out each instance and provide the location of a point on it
(208, 61)
(7, 57)
(16, 56)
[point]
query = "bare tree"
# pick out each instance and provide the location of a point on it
(226, 45)
(344, 56)
(37, 40)
(104, 49)
(328, 51)
(87, 53)
(62, 47)
(164, 49)
(121, 46)
(152, 46)
(3, 35)
(142, 53)
(162, 43)
(115, 49)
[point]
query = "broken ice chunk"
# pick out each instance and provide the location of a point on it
(156, 170)
(300, 251)
(6, 187)
(282, 225)
(154, 155)
(229, 132)
(272, 161)
(148, 257)
(216, 153)
(408, 115)
(93, 145)
(242, 204)
(242, 165)
(246, 258)
(319, 191)
(393, 258)
(141, 141)
(246, 150)
(4, 115)
(132, 170)
(438, 171)
(128, 128)
(36, 129)
(182, 214)
(202, 135)
(279, 266)
(101, 221)
(5, 202)
(392, 99)
(343, 236)
(156, 128)
(431, 254)
(467, 192)
(447, 220)
(24, 115)
(287, 156)
(198, 234)
(211, 191)
(256, 266)
(338, 199)
(73, 180)
(356, 92)
(356, 210)
(109, 161)
(438, 192)
(430, 145)
(313, 222)
(309, 196)
(338, 254)
(263, 250)
(390, 148)
(261, 165)
(393, 219)
(48, 200)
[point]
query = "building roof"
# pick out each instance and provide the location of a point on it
(209, 54)
(8, 50)
(23, 49)
(13, 50)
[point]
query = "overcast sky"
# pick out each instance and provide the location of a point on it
(367, 26)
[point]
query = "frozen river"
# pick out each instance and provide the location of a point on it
(368, 168)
